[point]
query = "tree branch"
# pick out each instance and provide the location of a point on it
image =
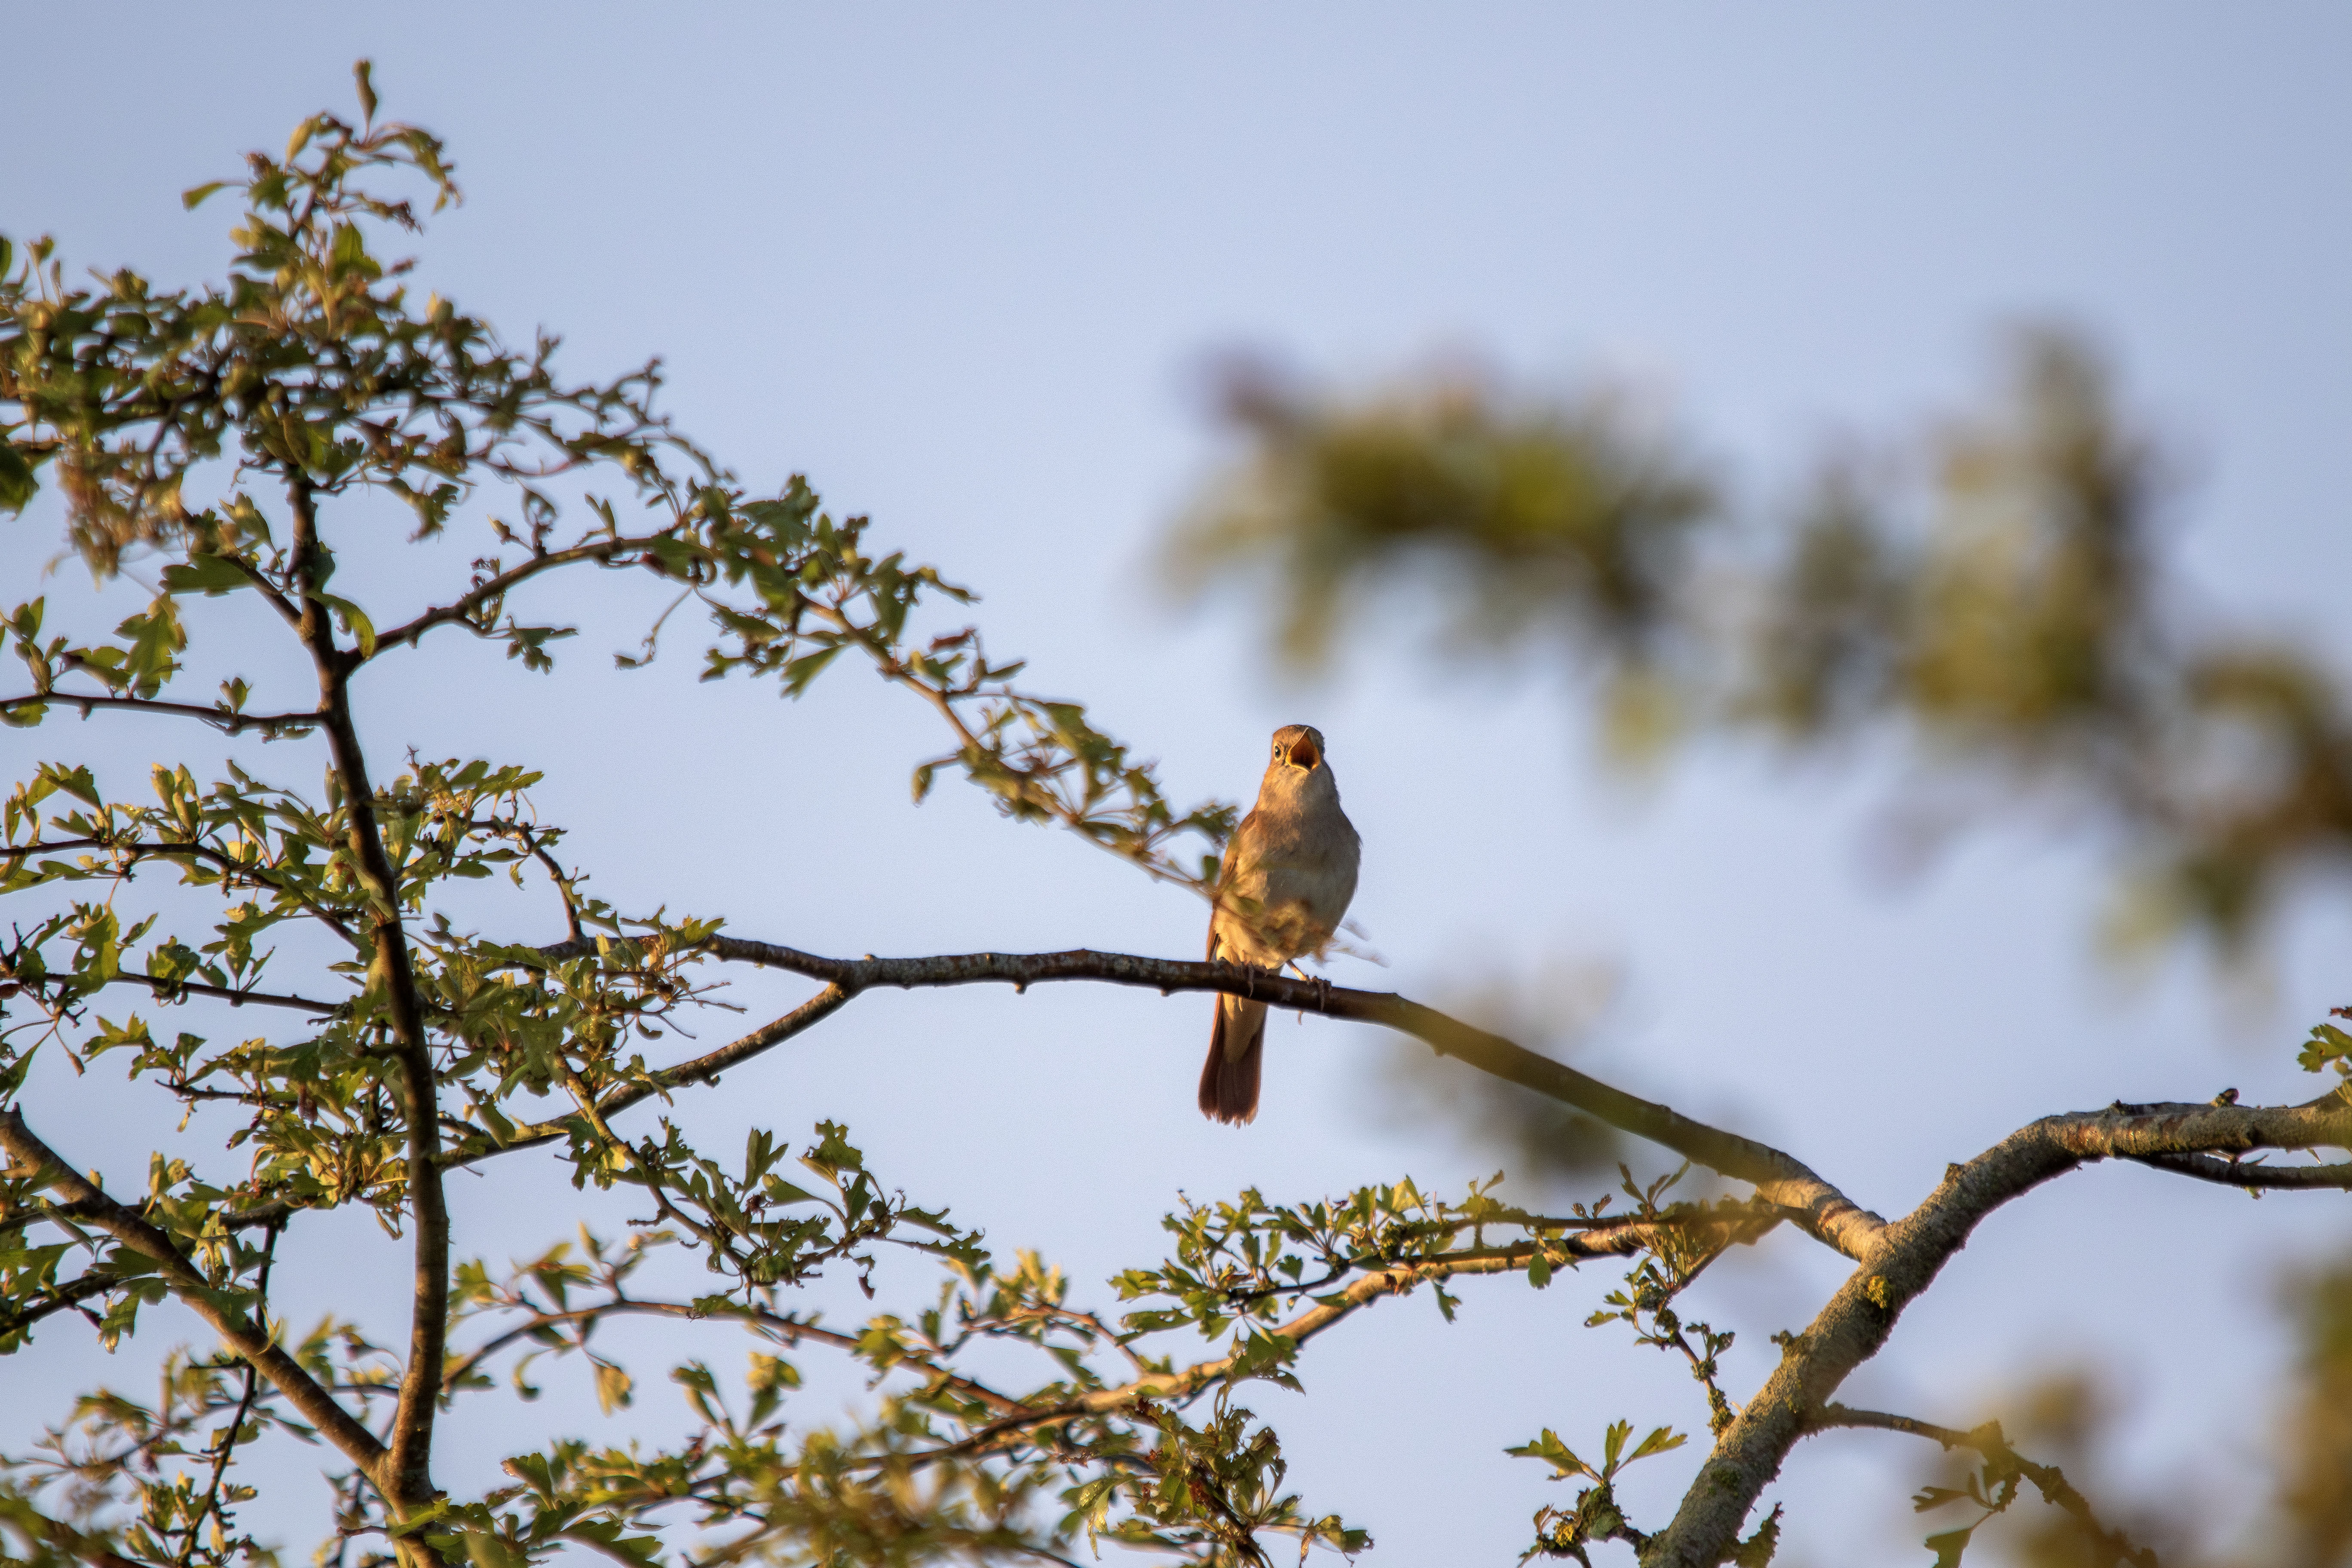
(1780, 1179)
(225, 718)
(164, 849)
(1913, 1250)
(786, 1329)
(72, 1293)
(1988, 1440)
(408, 1480)
(2237, 1174)
(228, 1437)
(462, 611)
(1625, 1236)
(704, 1069)
(124, 1224)
(174, 990)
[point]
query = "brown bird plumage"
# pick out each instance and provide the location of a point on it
(1289, 875)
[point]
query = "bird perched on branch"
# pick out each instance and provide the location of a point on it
(1287, 877)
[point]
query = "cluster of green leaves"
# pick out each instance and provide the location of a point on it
(181, 1502)
(1596, 1516)
(2328, 1047)
(2008, 612)
(955, 1461)
(1681, 1240)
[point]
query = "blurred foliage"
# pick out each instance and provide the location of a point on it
(1997, 593)
(2315, 1501)
(2070, 1421)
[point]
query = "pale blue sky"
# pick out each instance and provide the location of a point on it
(961, 267)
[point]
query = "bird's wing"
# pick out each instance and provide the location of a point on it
(1246, 846)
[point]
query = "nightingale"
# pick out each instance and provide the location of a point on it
(1287, 877)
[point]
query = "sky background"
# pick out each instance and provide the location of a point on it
(964, 268)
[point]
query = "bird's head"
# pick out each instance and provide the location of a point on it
(1299, 746)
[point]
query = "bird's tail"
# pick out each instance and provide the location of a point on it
(1236, 1050)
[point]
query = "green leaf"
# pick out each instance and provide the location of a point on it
(204, 575)
(612, 1387)
(1949, 1546)
(2327, 1043)
(195, 195)
(354, 621)
(1559, 1454)
(17, 486)
(1659, 1441)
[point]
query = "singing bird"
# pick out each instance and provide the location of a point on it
(1289, 875)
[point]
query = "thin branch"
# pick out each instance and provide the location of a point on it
(124, 1224)
(166, 849)
(1628, 1236)
(244, 1408)
(71, 1294)
(704, 1069)
(226, 720)
(1780, 1179)
(785, 1328)
(407, 1480)
(2239, 1174)
(462, 611)
(174, 990)
(1988, 1440)
(269, 591)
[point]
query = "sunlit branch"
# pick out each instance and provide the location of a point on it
(1913, 1250)
(267, 589)
(406, 1471)
(69, 1295)
(172, 990)
(781, 1327)
(1621, 1238)
(1780, 1179)
(228, 1439)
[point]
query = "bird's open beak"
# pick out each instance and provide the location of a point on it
(1305, 755)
